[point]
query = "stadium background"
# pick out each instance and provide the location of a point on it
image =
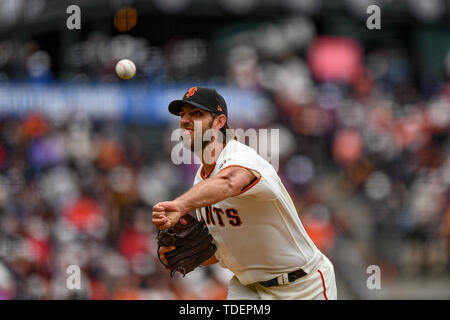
(363, 117)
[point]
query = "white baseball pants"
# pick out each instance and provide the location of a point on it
(319, 284)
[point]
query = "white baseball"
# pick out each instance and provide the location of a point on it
(125, 69)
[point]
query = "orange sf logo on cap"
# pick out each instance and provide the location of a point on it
(191, 92)
(219, 108)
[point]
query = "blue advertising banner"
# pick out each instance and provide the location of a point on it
(134, 103)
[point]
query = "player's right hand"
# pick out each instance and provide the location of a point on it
(166, 214)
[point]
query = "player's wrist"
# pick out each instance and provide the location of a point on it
(182, 207)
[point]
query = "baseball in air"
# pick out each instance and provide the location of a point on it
(125, 69)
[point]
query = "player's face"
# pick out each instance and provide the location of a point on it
(195, 122)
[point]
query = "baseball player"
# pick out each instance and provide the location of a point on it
(249, 213)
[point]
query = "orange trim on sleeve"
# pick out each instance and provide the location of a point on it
(323, 285)
(251, 185)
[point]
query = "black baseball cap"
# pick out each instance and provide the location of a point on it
(203, 98)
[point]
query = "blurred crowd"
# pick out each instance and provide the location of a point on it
(364, 152)
(80, 193)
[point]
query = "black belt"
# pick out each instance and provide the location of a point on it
(281, 280)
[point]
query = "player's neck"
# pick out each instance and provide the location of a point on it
(210, 154)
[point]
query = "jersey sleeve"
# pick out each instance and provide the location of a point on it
(258, 186)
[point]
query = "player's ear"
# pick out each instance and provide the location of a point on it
(220, 121)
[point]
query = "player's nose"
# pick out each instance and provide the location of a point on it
(185, 121)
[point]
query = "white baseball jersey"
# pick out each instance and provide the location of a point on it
(258, 233)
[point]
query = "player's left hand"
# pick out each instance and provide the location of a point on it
(166, 214)
(162, 253)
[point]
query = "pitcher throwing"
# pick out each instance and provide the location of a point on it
(248, 212)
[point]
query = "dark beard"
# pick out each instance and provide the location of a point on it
(204, 143)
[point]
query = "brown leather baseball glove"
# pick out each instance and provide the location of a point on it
(193, 245)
